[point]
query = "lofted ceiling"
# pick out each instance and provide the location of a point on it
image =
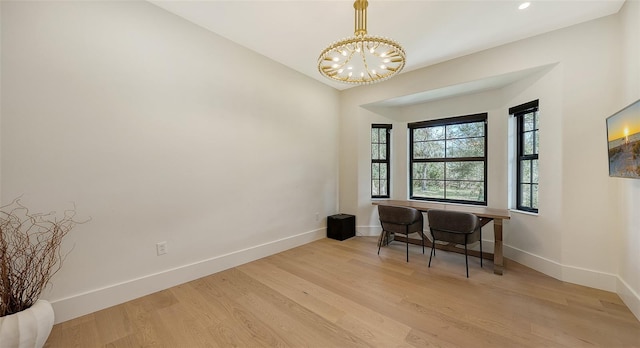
(294, 32)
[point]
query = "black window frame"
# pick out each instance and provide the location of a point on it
(386, 160)
(519, 112)
(480, 117)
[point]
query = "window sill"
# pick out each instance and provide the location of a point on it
(436, 202)
(523, 212)
(451, 203)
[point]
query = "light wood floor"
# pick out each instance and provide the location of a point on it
(342, 294)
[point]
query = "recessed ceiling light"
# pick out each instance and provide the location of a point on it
(524, 5)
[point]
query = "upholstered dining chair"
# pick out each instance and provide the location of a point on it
(401, 220)
(456, 228)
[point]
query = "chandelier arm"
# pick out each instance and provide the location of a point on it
(364, 61)
(347, 60)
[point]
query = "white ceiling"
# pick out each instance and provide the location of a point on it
(431, 31)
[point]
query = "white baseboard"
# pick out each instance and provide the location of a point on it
(576, 275)
(540, 264)
(572, 274)
(629, 297)
(97, 299)
(591, 278)
(368, 231)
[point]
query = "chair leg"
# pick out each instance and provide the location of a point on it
(422, 234)
(384, 233)
(481, 248)
(466, 260)
(433, 247)
(407, 248)
(407, 236)
(433, 250)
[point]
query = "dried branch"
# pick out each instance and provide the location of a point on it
(29, 253)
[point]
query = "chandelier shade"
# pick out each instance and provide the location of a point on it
(361, 59)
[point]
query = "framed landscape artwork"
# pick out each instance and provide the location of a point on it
(623, 137)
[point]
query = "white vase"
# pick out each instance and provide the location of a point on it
(29, 328)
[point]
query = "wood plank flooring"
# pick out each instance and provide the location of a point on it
(342, 294)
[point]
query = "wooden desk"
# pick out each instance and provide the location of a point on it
(485, 214)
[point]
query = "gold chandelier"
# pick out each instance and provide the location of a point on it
(361, 59)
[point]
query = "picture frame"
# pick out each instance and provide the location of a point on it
(623, 140)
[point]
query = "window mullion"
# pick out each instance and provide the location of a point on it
(448, 178)
(381, 158)
(526, 161)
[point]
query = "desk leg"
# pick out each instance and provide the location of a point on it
(498, 261)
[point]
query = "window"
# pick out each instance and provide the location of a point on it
(527, 145)
(448, 159)
(380, 140)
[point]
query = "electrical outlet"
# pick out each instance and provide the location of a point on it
(317, 216)
(161, 248)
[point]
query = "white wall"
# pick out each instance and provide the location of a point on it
(629, 190)
(0, 105)
(571, 236)
(151, 127)
(158, 130)
(533, 239)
